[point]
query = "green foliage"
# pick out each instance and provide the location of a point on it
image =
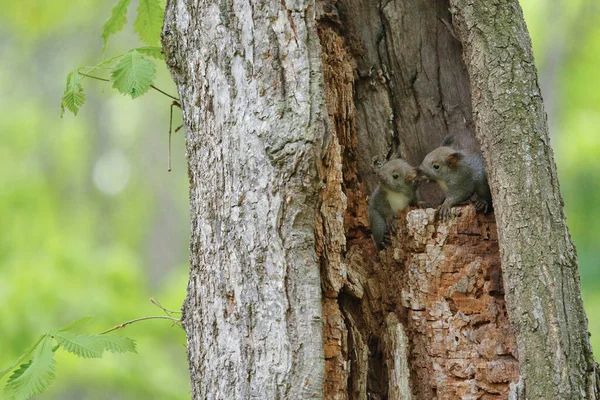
(152, 51)
(74, 97)
(133, 74)
(68, 248)
(116, 21)
(24, 356)
(38, 372)
(84, 346)
(149, 21)
(36, 375)
(118, 344)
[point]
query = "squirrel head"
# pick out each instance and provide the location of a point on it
(441, 164)
(397, 175)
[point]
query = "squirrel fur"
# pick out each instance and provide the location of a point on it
(459, 173)
(395, 192)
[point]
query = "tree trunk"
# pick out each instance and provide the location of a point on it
(285, 105)
(538, 258)
(250, 86)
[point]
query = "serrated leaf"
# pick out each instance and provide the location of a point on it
(152, 51)
(36, 375)
(73, 97)
(118, 344)
(75, 324)
(149, 21)
(24, 356)
(133, 74)
(116, 21)
(84, 346)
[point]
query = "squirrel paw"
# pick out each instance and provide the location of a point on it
(481, 205)
(387, 240)
(392, 229)
(445, 213)
(423, 204)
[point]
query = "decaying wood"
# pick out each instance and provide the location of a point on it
(397, 351)
(391, 72)
(449, 281)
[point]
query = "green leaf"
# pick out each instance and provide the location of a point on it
(149, 21)
(116, 21)
(73, 97)
(133, 74)
(118, 344)
(152, 51)
(36, 375)
(75, 324)
(84, 346)
(24, 356)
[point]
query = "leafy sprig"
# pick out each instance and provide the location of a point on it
(131, 73)
(35, 369)
(116, 21)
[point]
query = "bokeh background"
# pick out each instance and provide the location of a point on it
(91, 222)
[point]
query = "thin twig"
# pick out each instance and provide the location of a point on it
(169, 151)
(94, 77)
(166, 310)
(165, 93)
(173, 104)
(108, 80)
(124, 324)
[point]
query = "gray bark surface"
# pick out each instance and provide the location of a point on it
(249, 79)
(285, 105)
(539, 262)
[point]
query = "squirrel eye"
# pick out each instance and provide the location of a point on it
(395, 176)
(436, 166)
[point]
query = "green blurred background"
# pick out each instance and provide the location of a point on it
(91, 221)
(93, 224)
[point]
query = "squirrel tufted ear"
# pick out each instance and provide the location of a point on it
(410, 177)
(448, 141)
(397, 153)
(453, 159)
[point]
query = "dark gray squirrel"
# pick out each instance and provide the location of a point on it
(460, 173)
(395, 192)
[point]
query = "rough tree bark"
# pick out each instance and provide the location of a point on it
(249, 81)
(538, 258)
(285, 105)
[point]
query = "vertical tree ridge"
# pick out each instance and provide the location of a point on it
(249, 79)
(539, 261)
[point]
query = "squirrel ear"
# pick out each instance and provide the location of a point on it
(397, 153)
(410, 177)
(448, 140)
(453, 159)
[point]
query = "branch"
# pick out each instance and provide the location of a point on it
(124, 324)
(108, 80)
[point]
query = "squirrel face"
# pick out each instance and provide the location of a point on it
(397, 175)
(441, 164)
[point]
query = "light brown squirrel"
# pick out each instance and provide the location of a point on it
(395, 192)
(459, 173)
